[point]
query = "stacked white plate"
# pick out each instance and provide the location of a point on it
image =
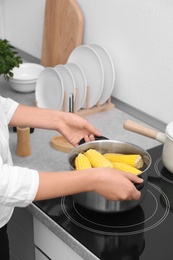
(80, 83)
(109, 72)
(89, 72)
(49, 91)
(68, 82)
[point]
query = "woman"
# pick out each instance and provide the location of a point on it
(20, 186)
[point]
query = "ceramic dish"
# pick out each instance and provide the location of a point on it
(49, 92)
(109, 71)
(68, 82)
(23, 86)
(85, 57)
(80, 83)
(27, 71)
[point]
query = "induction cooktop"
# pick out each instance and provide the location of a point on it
(142, 233)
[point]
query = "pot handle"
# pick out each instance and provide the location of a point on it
(97, 138)
(145, 131)
(139, 186)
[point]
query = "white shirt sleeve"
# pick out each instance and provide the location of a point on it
(9, 107)
(19, 185)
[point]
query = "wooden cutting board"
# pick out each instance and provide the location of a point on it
(63, 31)
(61, 144)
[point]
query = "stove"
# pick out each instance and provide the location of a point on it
(142, 233)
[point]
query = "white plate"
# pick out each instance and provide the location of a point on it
(68, 82)
(49, 92)
(109, 71)
(80, 83)
(89, 61)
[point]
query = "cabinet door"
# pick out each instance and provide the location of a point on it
(39, 255)
(51, 245)
(22, 244)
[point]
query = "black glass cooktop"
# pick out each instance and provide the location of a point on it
(142, 233)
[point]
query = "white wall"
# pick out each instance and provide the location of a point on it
(22, 24)
(137, 34)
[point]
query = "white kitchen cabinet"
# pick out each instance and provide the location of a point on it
(51, 246)
(39, 255)
(21, 237)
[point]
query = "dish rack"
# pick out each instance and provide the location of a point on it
(59, 142)
(87, 110)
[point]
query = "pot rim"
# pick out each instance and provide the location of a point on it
(144, 152)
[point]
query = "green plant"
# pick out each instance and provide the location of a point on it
(9, 59)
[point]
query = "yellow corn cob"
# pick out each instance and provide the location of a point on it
(97, 159)
(126, 168)
(134, 160)
(82, 162)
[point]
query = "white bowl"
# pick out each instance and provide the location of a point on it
(27, 71)
(23, 86)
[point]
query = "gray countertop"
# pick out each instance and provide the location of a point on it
(45, 158)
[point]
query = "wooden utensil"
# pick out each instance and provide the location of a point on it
(63, 31)
(23, 148)
(61, 144)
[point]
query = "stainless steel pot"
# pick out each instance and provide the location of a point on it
(165, 138)
(92, 200)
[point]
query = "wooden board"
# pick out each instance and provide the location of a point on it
(63, 31)
(61, 144)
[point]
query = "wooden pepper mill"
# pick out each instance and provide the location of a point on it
(23, 148)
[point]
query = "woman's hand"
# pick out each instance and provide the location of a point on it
(71, 126)
(74, 128)
(117, 185)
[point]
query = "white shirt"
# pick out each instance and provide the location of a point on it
(18, 185)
